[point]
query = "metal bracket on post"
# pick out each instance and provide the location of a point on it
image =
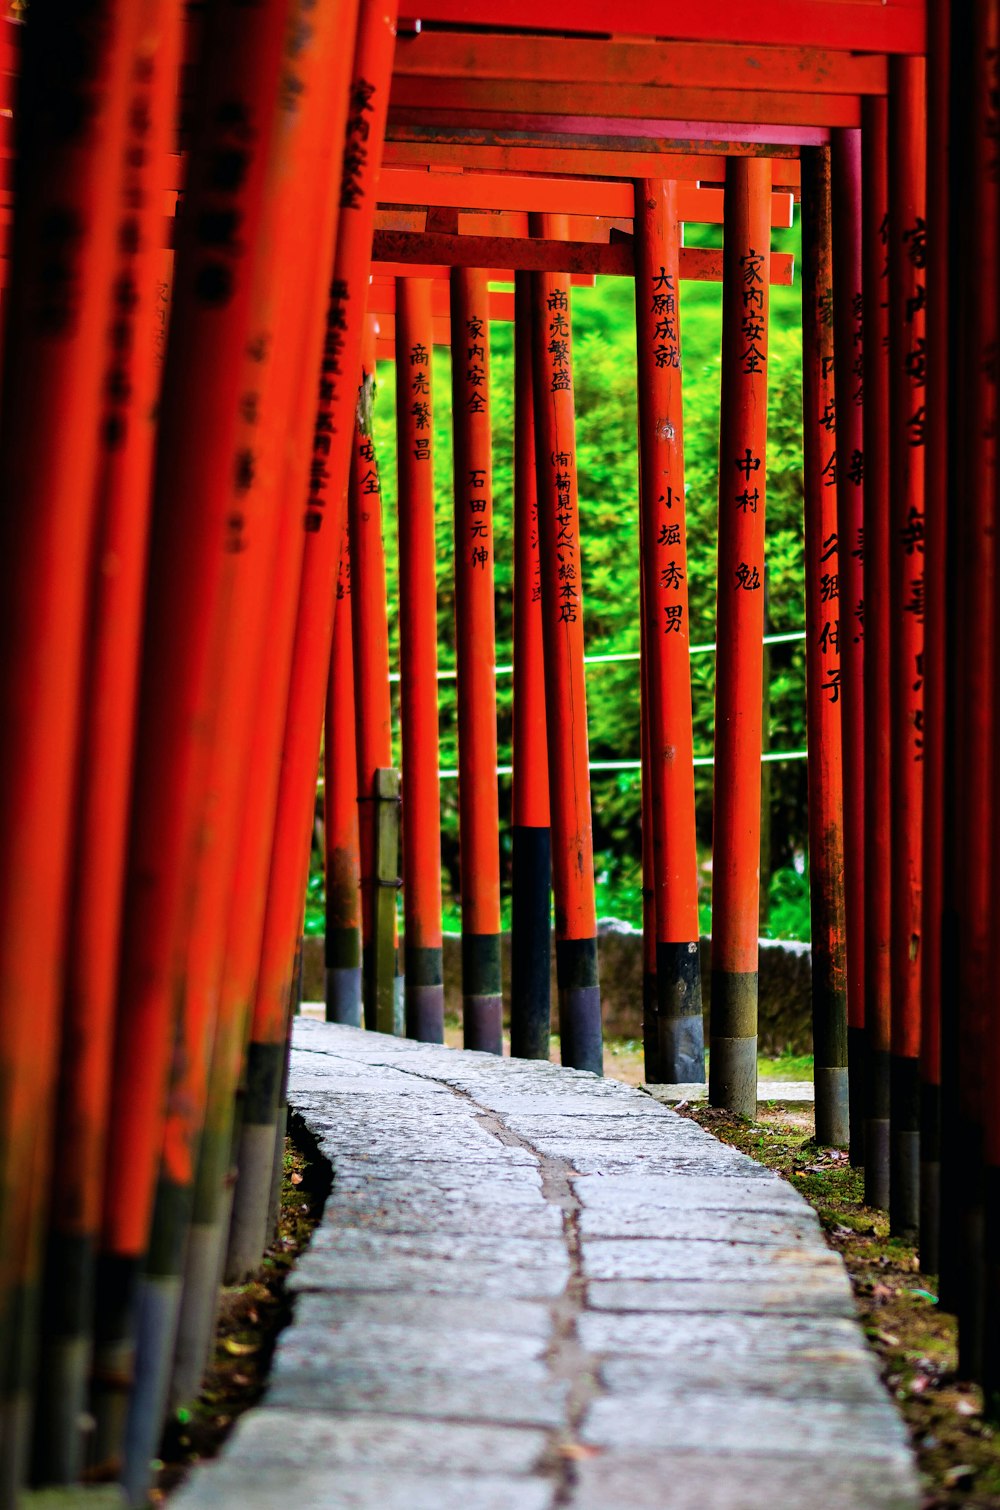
(387, 882)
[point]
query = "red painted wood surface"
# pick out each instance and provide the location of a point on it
(418, 619)
(663, 546)
(907, 551)
(861, 24)
(340, 771)
(474, 619)
(547, 155)
(849, 397)
(561, 572)
(530, 798)
(878, 848)
(190, 576)
(740, 622)
(325, 504)
(828, 623)
(76, 68)
(370, 633)
(437, 248)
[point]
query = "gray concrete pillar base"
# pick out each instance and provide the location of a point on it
(343, 995)
(833, 1114)
(732, 1076)
(482, 1023)
(247, 1234)
(156, 1337)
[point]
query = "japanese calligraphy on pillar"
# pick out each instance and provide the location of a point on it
(749, 481)
(358, 132)
(331, 373)
(418, 378)
(563, 462)
(909, 541)
(826, 548)
(479, 525)
(671, 559)
(668, 772)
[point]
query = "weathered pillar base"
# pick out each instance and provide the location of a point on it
(343, 995)
(832, 1092)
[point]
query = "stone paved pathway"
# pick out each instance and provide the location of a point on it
(533, 1289)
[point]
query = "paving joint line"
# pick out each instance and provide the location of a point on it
(566, 1357)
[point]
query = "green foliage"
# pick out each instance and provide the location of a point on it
(605, 384)
(788, 905)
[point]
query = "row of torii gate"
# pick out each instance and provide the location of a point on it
(180, 418)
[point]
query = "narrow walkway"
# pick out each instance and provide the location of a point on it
(532, 1288)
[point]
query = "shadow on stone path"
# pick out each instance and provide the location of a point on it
(532, 1288)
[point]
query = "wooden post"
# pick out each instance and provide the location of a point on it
(827, 625)
(531, 860)
(164, 1016)
(386, 803)
(475, 641)
(370, 630)
(67, 182)
(666, 642)
(333, 439)
(908, 419)
(565, 678)
(969, 951)
(184, 1241)
(848, 363)
(418, 663)
(650, 1015)
(342, 941)
(874, 225)
(740, 629)
(937, 627)
(118, 573)
(985, 1327)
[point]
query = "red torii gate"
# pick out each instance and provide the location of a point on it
(241, 476)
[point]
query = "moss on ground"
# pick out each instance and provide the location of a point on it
(957, 1449)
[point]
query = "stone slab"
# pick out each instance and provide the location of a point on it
(283, 1440)
(312, 1487)
(747, 1424)
(771, 1091)
(672, 1480)
(532, 1287)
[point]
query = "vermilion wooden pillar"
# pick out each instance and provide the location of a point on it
(561, 574)
(372, 704)
(117, 563)
(185, 1234)
(740, 630)
(650, 1014)
(67, 179)
(969, 952)
(874, 223)
(848, 362)
(907, 418)
(827, 623)
(191, 573)
(936, 629)
(667, 676)
(475, 641)
(418, 663)
(984, 454)
(531, 864)
(324, 523)
(342, 942)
